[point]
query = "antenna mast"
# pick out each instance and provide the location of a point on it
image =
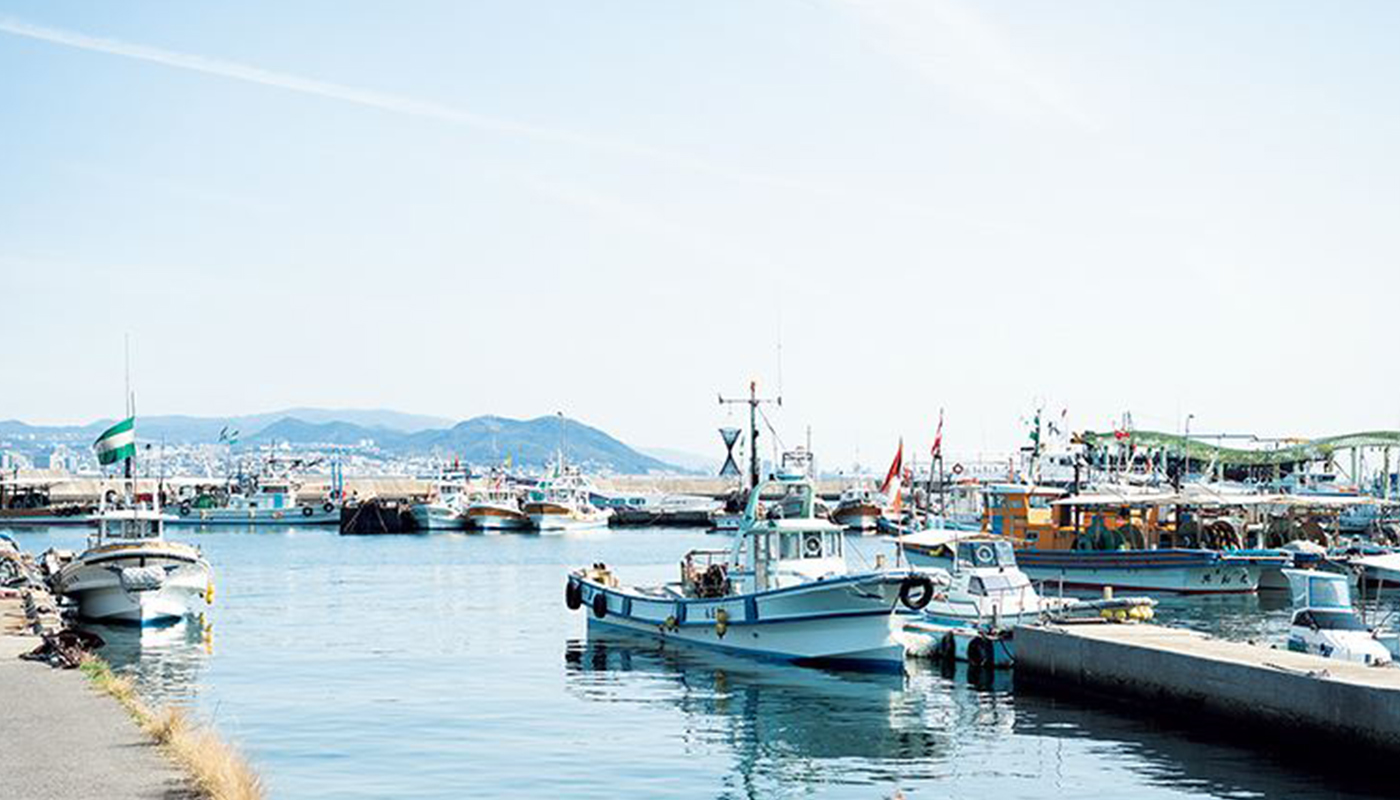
(753, 401)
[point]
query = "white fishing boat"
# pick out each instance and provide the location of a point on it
(562, 504)
(130, 573)
(497, 508)
(782, 590)
(446, 505)
(860, 508)
(979, 581)
(1325, 624)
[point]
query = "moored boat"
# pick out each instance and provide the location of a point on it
(497, 508)
(562, 504)
(782, 590)
(130, 573)
(445, 506)
(860, 508)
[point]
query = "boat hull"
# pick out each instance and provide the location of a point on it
(495, 518)
(850, 621)
(860, 517)
(102, 584)
(556, 517)
(296, 515)
(1173, 571)
(433, 517)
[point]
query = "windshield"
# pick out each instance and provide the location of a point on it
(1329, 620)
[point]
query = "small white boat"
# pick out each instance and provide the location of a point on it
(860, 508)
(446, 505)
(979, 582)
(782, 590)
(562, 504)
(1324, 622)
(131, 574)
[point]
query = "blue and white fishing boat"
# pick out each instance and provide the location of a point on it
(782, 590)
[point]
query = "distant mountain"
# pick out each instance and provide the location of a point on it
(481, 440)
(203, 430)
(534, 442)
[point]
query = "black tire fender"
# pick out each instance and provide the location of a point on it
(912, 599)
(573, 596)
(600, 604)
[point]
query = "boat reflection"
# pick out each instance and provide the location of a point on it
(776, 719)
(164, 662)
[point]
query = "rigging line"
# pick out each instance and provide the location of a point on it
(771, 429)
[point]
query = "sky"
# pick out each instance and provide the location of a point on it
(621, 209)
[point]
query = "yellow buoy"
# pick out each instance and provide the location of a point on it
(209, 593)
(721, 622)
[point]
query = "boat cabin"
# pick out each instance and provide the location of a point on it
(1322, 601)
(1044, 518)
(782, 541)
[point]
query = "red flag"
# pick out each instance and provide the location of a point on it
(937, 450)
(896, 469)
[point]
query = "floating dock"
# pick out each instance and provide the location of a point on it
(1184, 672)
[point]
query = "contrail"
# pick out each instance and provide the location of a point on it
(400, 104)
(294, 83)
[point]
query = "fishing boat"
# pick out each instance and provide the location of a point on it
(130, 573)
(1114, 538)
(24, 503)
(446, 504)
(860, 508)
(272, 499)
(979, 580)
(562, 504)
(1325, 624)
(782, 590)
(497, 508)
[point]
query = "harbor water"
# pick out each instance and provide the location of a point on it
(447, 666)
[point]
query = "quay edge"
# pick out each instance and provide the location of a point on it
(1274, 692)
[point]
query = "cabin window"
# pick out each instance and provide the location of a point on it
(790, 546)
(976, 587)
(1039, 501)
(994, 501)
(833, 544)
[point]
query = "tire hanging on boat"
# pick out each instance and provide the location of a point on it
(979, 652)
(948, 646)
(573, 596)
(306, 511)
(600, 605)
(907, 595)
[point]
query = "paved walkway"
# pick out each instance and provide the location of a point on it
(61, 739)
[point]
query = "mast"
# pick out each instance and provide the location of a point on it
(753, 402)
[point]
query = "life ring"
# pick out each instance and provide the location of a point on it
(185, 509)
(327, 507)
(979, 652)
(907, 595)
(957, 469)
(984, 554)
(600, 605)
(812, 545)
(573, 596)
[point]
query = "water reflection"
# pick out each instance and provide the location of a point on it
(165, 662)
(785, 726)
(1202, 759)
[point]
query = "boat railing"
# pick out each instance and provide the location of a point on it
(705, 573)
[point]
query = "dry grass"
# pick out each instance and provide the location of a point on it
(219, 771)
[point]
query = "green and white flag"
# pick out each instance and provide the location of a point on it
(117, 442)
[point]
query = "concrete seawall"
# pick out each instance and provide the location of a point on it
(61, 739)
(1184, 672)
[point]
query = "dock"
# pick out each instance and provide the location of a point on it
(61, 739)
(1273, 691)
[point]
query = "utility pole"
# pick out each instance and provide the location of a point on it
(753, 401)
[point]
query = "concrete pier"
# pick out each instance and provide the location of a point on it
(1183, 672)
(61, 740)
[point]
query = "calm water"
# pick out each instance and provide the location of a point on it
(447, 666)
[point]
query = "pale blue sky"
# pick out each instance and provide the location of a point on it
(612, 208)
